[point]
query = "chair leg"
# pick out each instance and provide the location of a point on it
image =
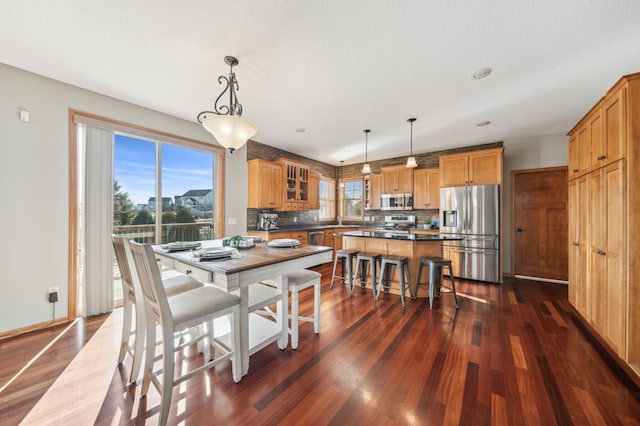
(383, 268)
(236, 361)
(316, 307)
(168, 369)
(363, 282)
(350, 282)
(453, 287)
(415, 296)
(294, 318)
(333, 274)
(373, 265)
(138, 350)
(400, 272)
(432, 283)
(126, 328)
(150, 354)
(411, 293)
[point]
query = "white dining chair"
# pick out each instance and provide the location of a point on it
(184, 311)
(298, 281)
(130, 294)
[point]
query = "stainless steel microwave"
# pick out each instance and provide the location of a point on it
(396, 201)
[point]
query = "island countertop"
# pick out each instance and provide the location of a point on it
(397, 236)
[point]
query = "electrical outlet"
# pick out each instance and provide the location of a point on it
(295, 218)
(54, 289)
(53, 294)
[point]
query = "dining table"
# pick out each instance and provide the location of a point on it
(246, 267)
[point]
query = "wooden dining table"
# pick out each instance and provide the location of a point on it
(252, 265)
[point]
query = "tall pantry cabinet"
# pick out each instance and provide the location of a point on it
(604, 220)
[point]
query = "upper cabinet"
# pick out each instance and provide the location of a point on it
(396, 179)
(599, 139)
(314, 191)
(296, 185)
(372, 192)
(426, 188)
(471, 168)
(265, 185)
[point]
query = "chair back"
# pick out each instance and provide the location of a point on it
(150, 279)
(128, 289)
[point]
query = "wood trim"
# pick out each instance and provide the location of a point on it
(34, 327)
(512, 231)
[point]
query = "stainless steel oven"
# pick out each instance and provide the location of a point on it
(402, 201)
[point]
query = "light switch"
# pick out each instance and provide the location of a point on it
(24, 115)
(232, 221)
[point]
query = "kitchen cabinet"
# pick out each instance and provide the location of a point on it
(482, 167)
(314, 191)
(372, 192)
(295, 185)
(265, 184)
(426, 188)
(604, 189)
(396, 179)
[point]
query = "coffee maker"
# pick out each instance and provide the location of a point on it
(267, 221)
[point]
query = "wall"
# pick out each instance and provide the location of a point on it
(529, 153)
(34, 177)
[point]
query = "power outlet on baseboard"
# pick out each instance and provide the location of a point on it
(53, 294)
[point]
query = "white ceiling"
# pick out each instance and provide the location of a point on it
(336, 67)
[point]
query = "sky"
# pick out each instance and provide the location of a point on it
(182, 169)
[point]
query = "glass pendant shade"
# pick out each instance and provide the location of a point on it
(366, 170)
(411, 163)
(230, 131)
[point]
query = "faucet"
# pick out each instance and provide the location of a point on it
(339, 220)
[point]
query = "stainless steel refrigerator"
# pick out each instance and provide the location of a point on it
(472, 213)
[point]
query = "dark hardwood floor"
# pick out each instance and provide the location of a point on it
(512, 354)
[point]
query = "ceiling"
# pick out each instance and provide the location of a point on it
(337, 67)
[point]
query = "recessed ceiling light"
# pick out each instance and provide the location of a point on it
(301, 130)
(481, 73)
(483, 123)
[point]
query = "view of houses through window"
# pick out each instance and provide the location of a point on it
(181, 208)
(352, 201)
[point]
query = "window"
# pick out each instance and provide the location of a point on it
(327, 195)
(352, 199)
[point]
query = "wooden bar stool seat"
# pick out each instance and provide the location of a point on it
(435, 265)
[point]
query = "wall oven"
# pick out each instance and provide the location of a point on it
(396, 201)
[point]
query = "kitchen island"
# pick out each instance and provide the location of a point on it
(412, 245)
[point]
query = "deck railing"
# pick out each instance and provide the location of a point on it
(170, 232)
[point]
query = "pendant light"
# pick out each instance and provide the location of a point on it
(341, 183)
(225, 122)
(411, 161)
(366, 170)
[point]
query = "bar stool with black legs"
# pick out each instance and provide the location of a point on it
(346, 256)
(404, 278)
(435, 265)
(371, 262)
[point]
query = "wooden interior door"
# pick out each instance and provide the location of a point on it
(539, 223)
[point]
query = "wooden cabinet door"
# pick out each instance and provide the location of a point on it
(433, 188)
(389, 180)
(404, 179)
(453, 170)
(485, 167)
(314, 191)
(265, 185)
(420, 188)
(596, 245)
(614, 123)
(582, 290)
(374, 192)
(573, 241)
(596, 144)
(274, 182)
(574, 162)
(615, 237)
(584, 148)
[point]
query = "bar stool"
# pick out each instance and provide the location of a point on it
(402, 265)
(346, 256)
(371, 260)
(435, 265)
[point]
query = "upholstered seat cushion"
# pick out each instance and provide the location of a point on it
(303, 278)
(198, 303)
(180, 284)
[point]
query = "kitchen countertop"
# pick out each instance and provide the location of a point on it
(306, 227)
(401, 237)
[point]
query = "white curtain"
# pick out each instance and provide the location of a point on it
(98, 220)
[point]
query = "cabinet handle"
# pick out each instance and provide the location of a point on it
(576, 244)
(188, 271)
(602, 157)
(576, 170)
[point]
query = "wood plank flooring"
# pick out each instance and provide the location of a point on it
(512, 354)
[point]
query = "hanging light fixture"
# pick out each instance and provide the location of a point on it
(411, 161)
(366, 170)
(341, 183)
(225, 122)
